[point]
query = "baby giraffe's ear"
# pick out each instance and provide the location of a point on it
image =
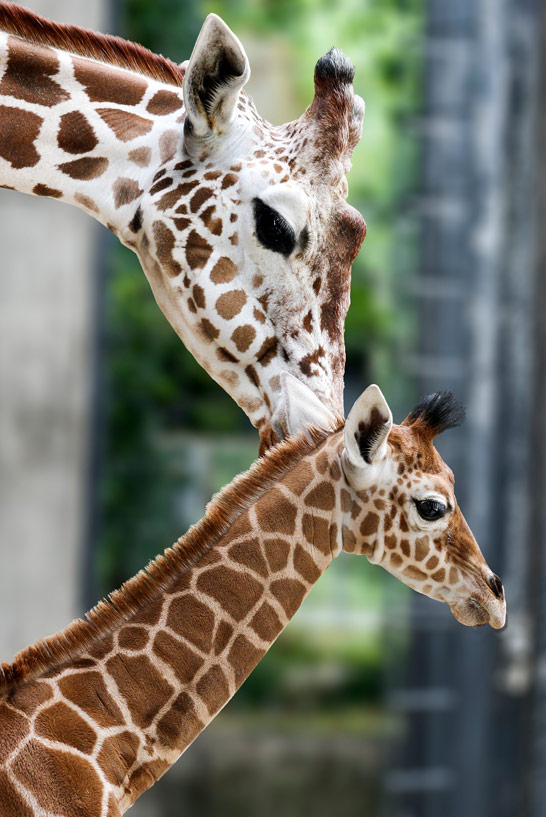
(367, 428)
(217, 70)
(298, 407)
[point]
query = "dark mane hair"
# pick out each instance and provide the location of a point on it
(116, 51)
(437, 412)
(220, 514)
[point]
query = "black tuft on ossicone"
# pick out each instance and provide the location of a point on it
(334, 67)
(437, 412)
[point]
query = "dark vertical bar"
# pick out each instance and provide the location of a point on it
(96, 433)
(535, 744)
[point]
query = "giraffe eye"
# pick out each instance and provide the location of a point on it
(430, 509)
(272, 229)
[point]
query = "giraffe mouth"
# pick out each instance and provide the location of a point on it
(474, 613)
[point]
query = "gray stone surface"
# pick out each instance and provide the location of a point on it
(47, 261)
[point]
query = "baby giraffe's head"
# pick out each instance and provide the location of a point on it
(398, 502)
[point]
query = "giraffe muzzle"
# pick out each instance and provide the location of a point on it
(488, 608)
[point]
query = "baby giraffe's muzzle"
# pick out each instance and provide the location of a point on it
(487, 606)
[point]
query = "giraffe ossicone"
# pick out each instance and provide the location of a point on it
(241, 227)
(92, 717)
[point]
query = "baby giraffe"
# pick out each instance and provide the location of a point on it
(92, 717)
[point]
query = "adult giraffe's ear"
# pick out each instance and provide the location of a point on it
(217, 70)
(367, 428)
(298, 407)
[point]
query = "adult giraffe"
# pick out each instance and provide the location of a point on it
(92, 717)
(242, 228)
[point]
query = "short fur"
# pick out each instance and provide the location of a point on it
(150, 582)
(436, 413)
(103, 47)
(334, 67)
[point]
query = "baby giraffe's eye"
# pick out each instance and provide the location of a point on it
(430, 509)
(272, 229)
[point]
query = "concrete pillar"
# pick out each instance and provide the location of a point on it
(47, 282)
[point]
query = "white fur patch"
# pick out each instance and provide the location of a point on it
(291, 202)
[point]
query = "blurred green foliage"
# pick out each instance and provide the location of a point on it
(154, 388)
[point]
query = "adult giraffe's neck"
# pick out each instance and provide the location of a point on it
(78, 129)
(127, 691)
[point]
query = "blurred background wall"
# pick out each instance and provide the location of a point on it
(48, 280)
(374, 701)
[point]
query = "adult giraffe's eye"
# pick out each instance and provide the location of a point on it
(430, 509)
(272, 229)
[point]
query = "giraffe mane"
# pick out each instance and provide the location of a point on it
(85, 43)
(116, 609)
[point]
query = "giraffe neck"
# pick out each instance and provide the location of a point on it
(122, 710)
(81, 131)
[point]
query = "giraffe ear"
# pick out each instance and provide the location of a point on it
(217, 70)
(298, 407)
(367, 428)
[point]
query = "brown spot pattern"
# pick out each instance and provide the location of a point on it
(421, 548)
(44, 190)
(243, 657)
(11, 803)
(223, 634)
(230, 303)
(179, 726)
(194, 619)
(28, 74)
(289, 593)
(141, 156)
(305, 565)
(249, 554)
(168, 145)
(321, 496)
(15, 728)
(90, 167)
(104, 83)
(235, 591)
(125, 191)
(275, 513)
(86, 202)
(164, 102)
(133, 638)
(369, 524)
(118, 753)
(18, 130)
(134, 675)
(200, 197)
(70, 779)
(126, 126)
(266, 623)
(182, 659)
(88, 691)
(60, 723)
(414, 573)
(243, 336)
(75, 134)
(276, 552)
(165, 242)
(223, 271)
(213, 689)
(198, 250)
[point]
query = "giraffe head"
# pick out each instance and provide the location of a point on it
(398, 501)
(249, 228)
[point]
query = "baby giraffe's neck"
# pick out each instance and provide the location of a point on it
(124, 708)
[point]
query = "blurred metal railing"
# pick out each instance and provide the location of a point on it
(481, 296)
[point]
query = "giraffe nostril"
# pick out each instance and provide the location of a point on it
(496, 586)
